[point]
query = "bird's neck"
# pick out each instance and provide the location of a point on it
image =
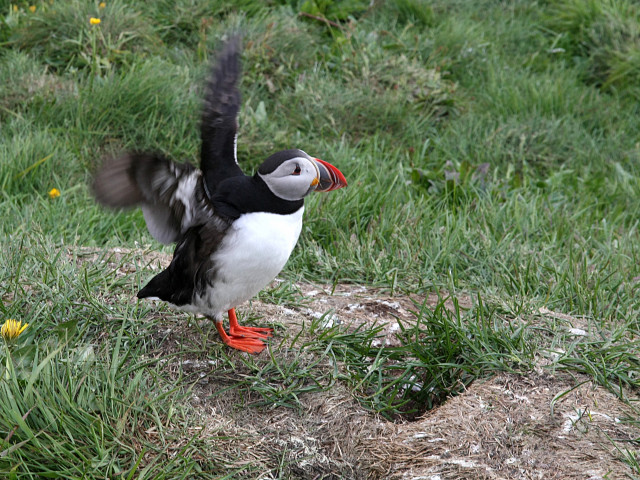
(239, 195)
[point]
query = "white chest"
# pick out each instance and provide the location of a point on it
(254, 251)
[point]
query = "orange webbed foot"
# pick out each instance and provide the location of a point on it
(251, 345)
(235, 330)
(245, 344)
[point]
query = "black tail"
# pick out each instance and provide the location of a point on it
(168, 288)
(176, 284)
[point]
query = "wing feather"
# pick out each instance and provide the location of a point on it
(170, 194)
(219, 124)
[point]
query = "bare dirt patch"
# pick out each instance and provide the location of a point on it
(499, 428)
(504, 427)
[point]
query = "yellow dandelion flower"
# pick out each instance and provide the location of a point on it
(54, 193)
(32, 8)
(94, 21)
(11, 329)
(102, 5)
(15, 8)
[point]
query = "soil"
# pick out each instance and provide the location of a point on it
(542, 425)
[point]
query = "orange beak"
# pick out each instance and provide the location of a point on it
(330, 177)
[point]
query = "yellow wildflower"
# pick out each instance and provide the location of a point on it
(11, 329)
(15, 8)
(32, 8)
(54, 193)
(102, 5)
(94, 21)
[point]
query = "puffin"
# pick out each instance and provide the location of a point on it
(233, 232)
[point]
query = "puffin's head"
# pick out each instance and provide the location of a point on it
(292, 175)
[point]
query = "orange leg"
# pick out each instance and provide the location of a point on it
(251, 345)
(235, 330)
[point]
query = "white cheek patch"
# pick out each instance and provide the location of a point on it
(283, 187)
(288, 186)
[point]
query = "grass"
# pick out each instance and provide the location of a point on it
(491, 151)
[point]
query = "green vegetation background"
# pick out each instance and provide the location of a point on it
(491, 148)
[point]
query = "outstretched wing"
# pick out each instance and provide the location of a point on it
(220, 117)
(170, 194)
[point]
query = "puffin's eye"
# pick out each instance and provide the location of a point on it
(297, 170)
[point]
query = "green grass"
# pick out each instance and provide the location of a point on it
(491, 150)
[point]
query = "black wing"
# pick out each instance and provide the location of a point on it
(220, 118)
(170, 194)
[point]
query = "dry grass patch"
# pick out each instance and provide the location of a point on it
(536, 425)
(503, 428)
